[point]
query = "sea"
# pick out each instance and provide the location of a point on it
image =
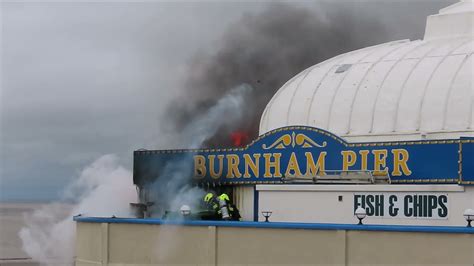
(12, 219)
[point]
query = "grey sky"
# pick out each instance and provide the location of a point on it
(80, 80)
(85, 79)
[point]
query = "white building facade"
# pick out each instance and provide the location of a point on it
(397, 91)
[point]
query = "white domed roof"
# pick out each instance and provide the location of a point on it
(392, 91)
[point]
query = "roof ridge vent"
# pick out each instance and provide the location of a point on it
(453, 21)
(459, 7)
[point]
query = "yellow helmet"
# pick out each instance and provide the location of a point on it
(224, 196)
(208, 197)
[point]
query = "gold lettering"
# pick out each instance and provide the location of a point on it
(253, 165)
(293, 166)
(380, 160)
(269, 164)
(363, 159)
(312, 169)
(348, 159)
(199, 166)
(212, 170)
(233, 166)
(400, 159)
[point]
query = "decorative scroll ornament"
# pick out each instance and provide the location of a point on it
(294, 140)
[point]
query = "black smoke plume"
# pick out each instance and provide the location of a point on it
(266, 49)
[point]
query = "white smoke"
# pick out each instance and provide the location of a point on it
(173, 188)
(103, 189)
(226, 112)
(176, 189)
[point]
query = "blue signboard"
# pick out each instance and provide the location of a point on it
(306, 152)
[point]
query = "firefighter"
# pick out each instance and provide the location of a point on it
(228, 211)
(224, 207)
(210, 202)
(221, 206)
(211, 205)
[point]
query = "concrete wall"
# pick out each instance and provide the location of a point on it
(155, 244)
(321, 204)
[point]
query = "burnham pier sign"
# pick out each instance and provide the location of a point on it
(301, 151)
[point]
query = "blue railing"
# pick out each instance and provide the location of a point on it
(285, 225)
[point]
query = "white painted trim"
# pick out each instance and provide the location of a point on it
(88, 261)
(381, 188)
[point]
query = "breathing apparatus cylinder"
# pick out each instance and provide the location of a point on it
(224, 209)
